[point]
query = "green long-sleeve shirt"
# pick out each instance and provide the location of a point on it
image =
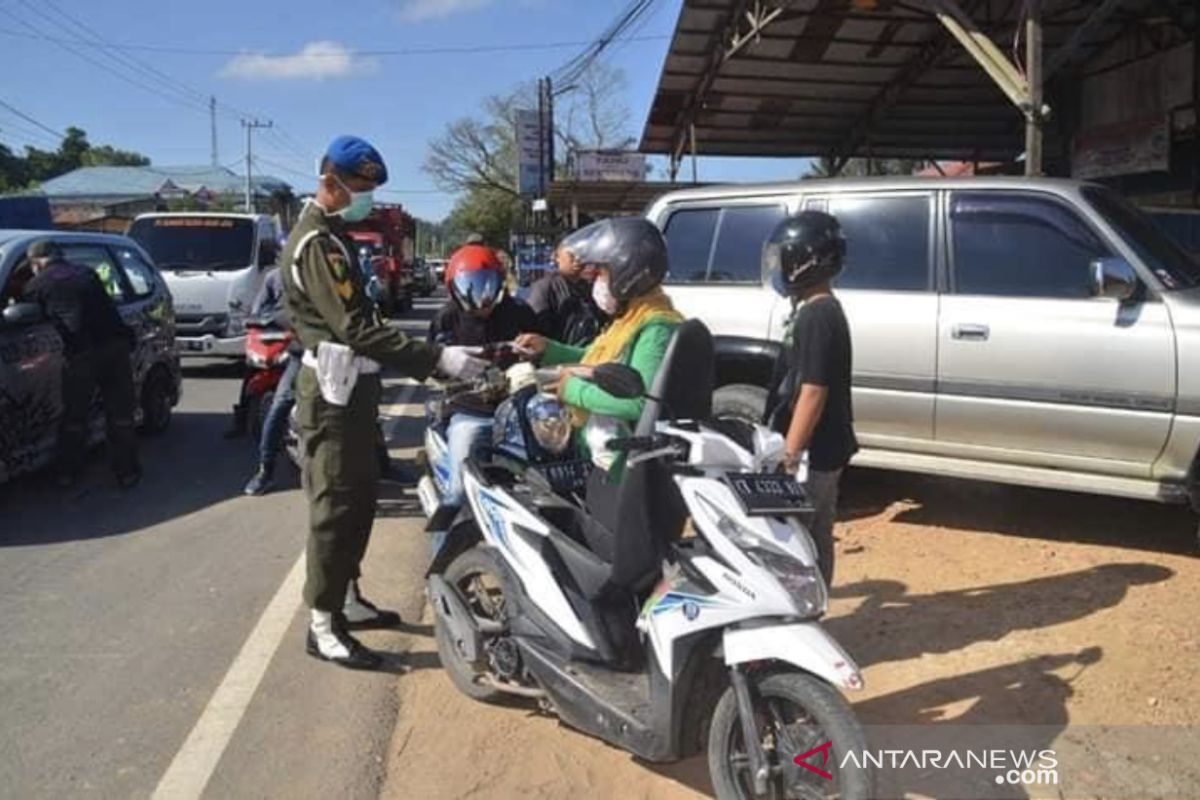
(645, 355)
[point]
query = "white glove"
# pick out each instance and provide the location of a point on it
(461, 363)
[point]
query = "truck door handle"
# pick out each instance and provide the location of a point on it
(970, 332)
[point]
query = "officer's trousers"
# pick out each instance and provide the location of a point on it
(104, 367)
(342, 480)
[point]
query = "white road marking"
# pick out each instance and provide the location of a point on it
(193, 765)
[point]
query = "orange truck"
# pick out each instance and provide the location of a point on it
(385, 242)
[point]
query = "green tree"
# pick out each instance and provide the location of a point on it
(476, 157)
(73, 152)
(108, 156)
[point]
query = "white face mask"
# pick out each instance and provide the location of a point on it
(603, 297)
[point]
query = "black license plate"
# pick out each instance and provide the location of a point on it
(193, 345)
(768, 495)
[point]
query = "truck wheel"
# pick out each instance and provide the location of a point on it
(740, 401)
(157, 397)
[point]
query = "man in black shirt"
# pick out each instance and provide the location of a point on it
(563, 301)
(813, 407)
(96, 347)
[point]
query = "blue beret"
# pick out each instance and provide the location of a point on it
(355, 156)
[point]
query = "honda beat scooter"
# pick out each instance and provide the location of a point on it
(659, 640)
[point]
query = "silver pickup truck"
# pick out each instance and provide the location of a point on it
(1030, 331)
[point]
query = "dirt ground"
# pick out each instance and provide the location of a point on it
(963, 602)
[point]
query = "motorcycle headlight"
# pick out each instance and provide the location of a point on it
(802, 582)
(550, 423)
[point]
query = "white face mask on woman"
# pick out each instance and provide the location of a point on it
(603, 296)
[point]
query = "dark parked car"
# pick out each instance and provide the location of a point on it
(31, 350)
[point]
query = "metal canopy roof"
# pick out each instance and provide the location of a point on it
(606, 198)
(832, 77)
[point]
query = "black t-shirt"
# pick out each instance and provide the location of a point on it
(75, 301)
(453, 326)
(565, 309)
(820, 353)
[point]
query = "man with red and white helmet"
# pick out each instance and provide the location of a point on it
(480, 311)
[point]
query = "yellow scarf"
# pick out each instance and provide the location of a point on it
(641, 311)
(615, 340)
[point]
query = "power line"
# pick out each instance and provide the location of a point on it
(93, 38)
(110, 69)
(375, 53)
(567, 74)
(127, 68)
(18, 112)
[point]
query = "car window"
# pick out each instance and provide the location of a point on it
(887, 241)
(140, 274)
(742, 230)
(690, 234)
(99, 259)
(1021, 245)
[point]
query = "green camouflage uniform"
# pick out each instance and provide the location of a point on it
(330, 304)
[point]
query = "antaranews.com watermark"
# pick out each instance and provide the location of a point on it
(981, 762)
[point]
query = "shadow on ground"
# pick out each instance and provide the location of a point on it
(188, 468)
(980, 506)
(892, 625)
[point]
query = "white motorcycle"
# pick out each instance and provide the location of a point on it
(539, 596)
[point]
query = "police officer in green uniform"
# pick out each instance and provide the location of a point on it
(346, 343)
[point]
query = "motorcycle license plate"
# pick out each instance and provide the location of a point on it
(767, 494)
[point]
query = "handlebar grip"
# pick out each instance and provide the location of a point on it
(624, 444)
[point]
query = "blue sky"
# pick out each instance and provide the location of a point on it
(307, 67)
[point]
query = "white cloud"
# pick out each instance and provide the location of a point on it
(418, 10)
(314, 61)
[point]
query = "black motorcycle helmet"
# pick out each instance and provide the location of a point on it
(804, 250)
(632, 249)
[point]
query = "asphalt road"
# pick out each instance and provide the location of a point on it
(121, 613)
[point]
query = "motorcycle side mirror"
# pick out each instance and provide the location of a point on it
(619, 380)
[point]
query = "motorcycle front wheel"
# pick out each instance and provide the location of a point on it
(795, 714)
(477, 578)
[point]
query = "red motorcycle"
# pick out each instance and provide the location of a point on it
(266, 356)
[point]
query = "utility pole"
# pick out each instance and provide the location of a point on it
(212, 117)
(250, 125)
(1035, 116)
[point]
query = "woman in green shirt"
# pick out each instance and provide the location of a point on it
(630, 257)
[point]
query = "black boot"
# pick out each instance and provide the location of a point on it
(328, 641)
(361, 614)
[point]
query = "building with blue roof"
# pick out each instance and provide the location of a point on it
(107, 198)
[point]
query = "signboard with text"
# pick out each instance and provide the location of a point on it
(1126, 148)
(597, 165)
(532, 152)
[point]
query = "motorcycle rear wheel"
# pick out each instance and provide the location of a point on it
(478, 579)
(795, 713)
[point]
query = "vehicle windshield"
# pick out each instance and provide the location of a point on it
(1170, 263)
(196, 243)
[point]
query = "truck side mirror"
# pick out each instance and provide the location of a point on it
(22, 314)
(1114, 277)
(267, 256)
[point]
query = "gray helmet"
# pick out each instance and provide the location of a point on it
(632, 249)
